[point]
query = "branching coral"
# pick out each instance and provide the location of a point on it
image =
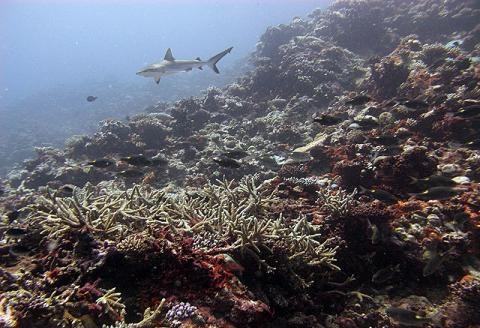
(241, 219)
(151, 319)
(91, 210)
(337, 202)
(112, 303)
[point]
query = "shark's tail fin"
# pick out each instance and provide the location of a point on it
(214, 60)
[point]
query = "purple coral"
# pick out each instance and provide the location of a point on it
(181, 311)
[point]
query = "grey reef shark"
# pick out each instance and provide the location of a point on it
(170, 65)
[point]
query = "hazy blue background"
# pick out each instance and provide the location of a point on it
(55, 53)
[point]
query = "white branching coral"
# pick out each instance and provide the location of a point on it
(114, 214)
(151, 319)
(223, 217)
(336, 201)
(241, 219)
(111, 301)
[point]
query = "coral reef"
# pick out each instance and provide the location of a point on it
(336, 184)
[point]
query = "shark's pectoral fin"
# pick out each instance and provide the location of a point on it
(168, 55)
(200, 67)
(188, 69)
(157, 79)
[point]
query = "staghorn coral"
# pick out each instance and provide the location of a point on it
(240, 215)
(336, 201)
(241, 218)
(151, 319)
(111, 304)
(106, 215)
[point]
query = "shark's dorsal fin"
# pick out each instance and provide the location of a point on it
(157, 79)
(168, 55)
(198, 58)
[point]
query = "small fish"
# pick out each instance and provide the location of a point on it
(461, 218)
(66, 190)
(131, 173)
(385, 140)
(367, 123)
(437, 63)
(101, 163)
(15, 232)
(11, 216)
(373, 232)
(354, 126)
(380, 194)
(415, 104)
(385, 274)
(434, 259)
(475, 144)
(328, 120)
(433, 181)
(438, 193)
(137, 160)
(227, 162)
(91, 98)
(403, 133)
(358, 100)
(235, 154)
(19, 250)
(396, 241)
(468, 111)
(390, 103)
(162, 116)
(410, 318)
(231, 265)
(158, 161)
(470, 102)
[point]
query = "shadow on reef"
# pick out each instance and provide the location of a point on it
(360, 127)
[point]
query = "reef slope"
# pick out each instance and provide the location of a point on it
(335, 185)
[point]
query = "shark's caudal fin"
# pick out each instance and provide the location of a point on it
(213, 61)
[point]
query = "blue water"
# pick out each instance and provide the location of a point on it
(47, 44)
(53, 54)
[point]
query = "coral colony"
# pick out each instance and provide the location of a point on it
(335, 185)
